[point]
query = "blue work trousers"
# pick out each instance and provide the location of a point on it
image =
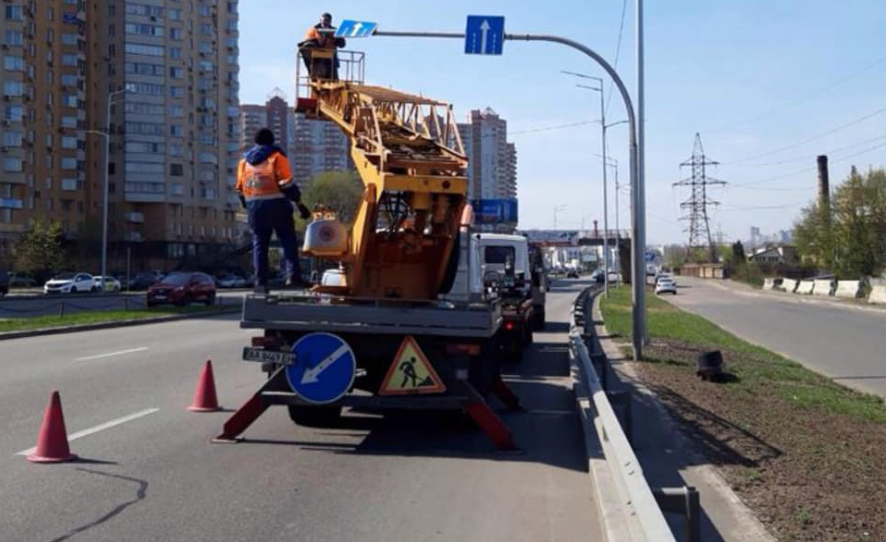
(267, 217)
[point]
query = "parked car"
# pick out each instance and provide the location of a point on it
(182, 288)
(21, 280)
(572, 274)
(231, 281)
(70, 283)
(661, 276)
(111, 284)
(145, 280)
(665, 286)
(4, 283)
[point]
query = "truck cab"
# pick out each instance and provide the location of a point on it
(508, 257)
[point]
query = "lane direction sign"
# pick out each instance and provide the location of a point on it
(324, 369)
(355, 29)
(485, 35)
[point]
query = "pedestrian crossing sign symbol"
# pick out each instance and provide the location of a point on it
(411, 372)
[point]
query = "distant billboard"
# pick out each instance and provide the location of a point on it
(553, 237)
(495, 211)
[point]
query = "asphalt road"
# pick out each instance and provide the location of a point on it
(842, 342)
(155, 476)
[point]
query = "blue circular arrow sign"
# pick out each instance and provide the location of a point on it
(324, 368)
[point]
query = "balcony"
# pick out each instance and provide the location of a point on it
(134, 217)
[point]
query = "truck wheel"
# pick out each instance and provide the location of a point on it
(315, 416)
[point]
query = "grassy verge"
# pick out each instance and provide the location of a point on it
(808, 455)
(95, 317)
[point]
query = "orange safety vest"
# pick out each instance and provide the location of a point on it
(263, 181)
(326, 41)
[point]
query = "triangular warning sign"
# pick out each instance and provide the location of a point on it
(411, 372)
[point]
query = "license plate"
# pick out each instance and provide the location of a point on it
(267, 356)
(159, 297)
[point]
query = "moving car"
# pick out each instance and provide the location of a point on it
(145, 280)
(21, 280)
(598, 276)
(661, 276)
(4, 283)
(182, 288)
(665, 286)
(70, 283)
(111, 284)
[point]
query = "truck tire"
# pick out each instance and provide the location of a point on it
(315, 416)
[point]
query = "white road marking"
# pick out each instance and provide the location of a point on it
(100, 427)
(120, 353)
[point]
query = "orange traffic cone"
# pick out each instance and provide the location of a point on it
(205, 399)
(52, 442)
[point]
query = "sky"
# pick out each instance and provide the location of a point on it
(768, 85)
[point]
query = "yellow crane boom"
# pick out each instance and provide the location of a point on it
(410, 157)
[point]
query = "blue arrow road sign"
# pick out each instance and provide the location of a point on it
(484, 35)
(324, 368)
(355, 29)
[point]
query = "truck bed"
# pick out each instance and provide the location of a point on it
(300, 312)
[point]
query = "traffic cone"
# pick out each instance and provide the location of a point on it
(52, 442)
(205, 399)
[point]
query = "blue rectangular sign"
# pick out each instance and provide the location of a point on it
(484, 35)
(491, 211)
(355, 29)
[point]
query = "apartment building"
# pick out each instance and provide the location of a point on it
(492, 167)
(169, 70)
(158, 81)
(275, 114)
(319, 146)
(43, 149)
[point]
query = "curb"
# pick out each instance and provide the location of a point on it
(702, 475)
(111, 325)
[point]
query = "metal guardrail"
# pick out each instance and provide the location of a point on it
(636, 497)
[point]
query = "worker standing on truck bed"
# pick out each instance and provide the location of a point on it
(265, 186)
(321, 36)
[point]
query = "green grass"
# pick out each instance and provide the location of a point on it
(759, 367)
(94, 317)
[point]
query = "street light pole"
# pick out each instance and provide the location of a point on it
(107, 135)
(639, 198)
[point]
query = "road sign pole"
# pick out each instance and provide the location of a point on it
(638, 234)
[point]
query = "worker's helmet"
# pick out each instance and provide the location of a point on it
(326, 16)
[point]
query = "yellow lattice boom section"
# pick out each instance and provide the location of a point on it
(410, 157)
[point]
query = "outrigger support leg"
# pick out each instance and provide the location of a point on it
(505, 394)
(250, 411)
(492, 425)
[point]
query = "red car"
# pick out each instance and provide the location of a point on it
(182, 289)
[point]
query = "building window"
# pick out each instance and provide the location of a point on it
(176, 92)
(174, 14)
(147, 50)
(69, 59)
(176, 130)
(14, 38)
(69, 39)
(69, 163)
(144, 29)
(175, 52)
(68, 185)
(13, 88)
(14, 63)
(69, 142)
(14, 113)
(12, 139)
(144, 10)
(14, 13)
(176, 73)
(176, 170)
(13, 165)
(175, 33)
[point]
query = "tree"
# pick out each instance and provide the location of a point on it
(339, 191)
(851, 240)
(738, 254)
(40, 250)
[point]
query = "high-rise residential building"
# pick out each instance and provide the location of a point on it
(43, 148)
(319, 146)
(169, 69)
(158, 79)
(275, 114)
(492, 166)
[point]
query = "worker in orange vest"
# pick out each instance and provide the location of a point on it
(321, 36)
(267, 191)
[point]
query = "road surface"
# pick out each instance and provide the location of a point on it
(149, 473)
(842, 342)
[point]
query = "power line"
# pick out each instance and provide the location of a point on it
(812, 156)
(804, 98)
(810, 139)
(621, 29)
(549, 128)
